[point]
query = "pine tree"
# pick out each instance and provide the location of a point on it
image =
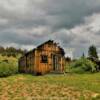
(92, 52)
(83, 56)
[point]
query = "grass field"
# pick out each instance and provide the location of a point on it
(48, 87)
(51, 87)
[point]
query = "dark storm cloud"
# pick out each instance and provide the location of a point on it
(30, 22)
(54, 13)
(14, 38)
(68, 13)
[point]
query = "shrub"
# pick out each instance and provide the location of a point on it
(83, 65)
(7, 69)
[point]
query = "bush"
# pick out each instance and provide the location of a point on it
(83, 65)
(7, 69)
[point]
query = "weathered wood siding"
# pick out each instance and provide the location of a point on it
(44, 59)
(49, 50)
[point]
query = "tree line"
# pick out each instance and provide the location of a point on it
(11, 51)
(89, 63)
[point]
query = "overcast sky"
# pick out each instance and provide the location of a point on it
(74, 24)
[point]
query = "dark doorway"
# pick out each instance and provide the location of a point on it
(55, 62)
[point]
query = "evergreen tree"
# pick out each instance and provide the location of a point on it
(83, 56)
(11, 51)
(92, 52)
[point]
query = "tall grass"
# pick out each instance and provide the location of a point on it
(8, 66)
(82, 65)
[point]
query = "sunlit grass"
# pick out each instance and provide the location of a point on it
(69, 86)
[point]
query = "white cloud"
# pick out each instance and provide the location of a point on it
(73, 23)
(14, 5)
(3, 21)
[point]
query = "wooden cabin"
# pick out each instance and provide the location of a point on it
(48, 57)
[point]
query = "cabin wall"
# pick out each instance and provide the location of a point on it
(40, 66)
(30, 59)
(48, 50)
(22, 64)
(26, 63)
(44, 67)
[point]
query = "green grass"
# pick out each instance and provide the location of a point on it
(8, 66)
(48, 87)
(54, 86)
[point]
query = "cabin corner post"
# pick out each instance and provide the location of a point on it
(64, 69)
(35, 63)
